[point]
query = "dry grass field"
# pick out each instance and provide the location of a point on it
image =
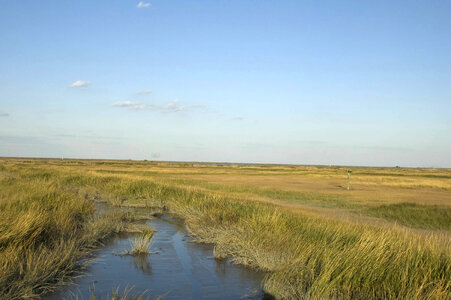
(388, 237)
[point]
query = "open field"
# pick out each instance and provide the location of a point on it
(387, 237)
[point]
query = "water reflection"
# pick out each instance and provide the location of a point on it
(180, 269)
(141, 262)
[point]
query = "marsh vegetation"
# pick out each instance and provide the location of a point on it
(140, 244)
(387, 237)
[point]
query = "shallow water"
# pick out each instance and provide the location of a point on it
(180, 270)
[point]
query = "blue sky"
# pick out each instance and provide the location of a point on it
(307, 82)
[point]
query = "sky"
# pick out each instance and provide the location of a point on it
(262, 81)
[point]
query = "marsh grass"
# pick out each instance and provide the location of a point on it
(140, 245)
(309, 256)
(312, 198)
(306, 254)
(415, 215)
(46, 233)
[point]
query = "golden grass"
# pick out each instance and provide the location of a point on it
(281, 219)
(45, 231)
(140, 244)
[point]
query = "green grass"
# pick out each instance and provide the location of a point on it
(301, 197)
(415, 215)
(402, 175)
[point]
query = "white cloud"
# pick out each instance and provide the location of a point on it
(80, 83)
(142, 4)
(130, 104)
(170, 107)
(144, 92)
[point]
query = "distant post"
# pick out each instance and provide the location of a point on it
(349, 178)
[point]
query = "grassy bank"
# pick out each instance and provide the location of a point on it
(307, 253)
(46, 231)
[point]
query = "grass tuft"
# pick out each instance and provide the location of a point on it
(141, 244)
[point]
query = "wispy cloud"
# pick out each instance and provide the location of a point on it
(170, 107)
(130, 104)
(142, 4)
(80, 83)
(144, 92)
(4, 114)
